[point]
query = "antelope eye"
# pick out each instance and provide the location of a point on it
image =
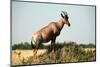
(67, 17)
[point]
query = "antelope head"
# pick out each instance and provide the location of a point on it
(65, 17)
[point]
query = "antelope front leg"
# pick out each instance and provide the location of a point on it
(52, 54)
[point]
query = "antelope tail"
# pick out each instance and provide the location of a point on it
(32, 45)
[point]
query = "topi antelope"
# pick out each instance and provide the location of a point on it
(49, 33)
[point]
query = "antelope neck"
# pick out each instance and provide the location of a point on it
(60, 23)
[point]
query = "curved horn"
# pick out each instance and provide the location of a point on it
(64, 12)
(62, 15)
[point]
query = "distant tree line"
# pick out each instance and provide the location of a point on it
(90, 45)
(26, 45)
(21, 45)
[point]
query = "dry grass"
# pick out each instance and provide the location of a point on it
(21, 56)
(89, 49)
(65, 54)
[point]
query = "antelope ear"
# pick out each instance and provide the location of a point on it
(62, 15)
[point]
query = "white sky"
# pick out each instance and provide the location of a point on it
(29, 17)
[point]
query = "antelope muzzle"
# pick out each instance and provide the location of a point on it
(68, 24)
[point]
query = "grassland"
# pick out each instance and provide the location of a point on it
(64, 53)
